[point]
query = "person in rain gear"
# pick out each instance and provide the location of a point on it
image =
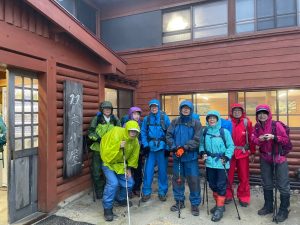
(240, 158)
(134, 113)
(183, 138)
(153, 134)
(216, 152)
(111, 149)
(264, 137)
(100, 125)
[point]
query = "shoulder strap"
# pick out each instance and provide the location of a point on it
(274, 127)
(204, 135)
(222, 133)
(162, 121)
(246, 127)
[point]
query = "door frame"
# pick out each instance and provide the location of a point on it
(13, 213)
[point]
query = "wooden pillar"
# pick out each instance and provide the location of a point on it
(232, 98)
(101, 88)
(47, 170)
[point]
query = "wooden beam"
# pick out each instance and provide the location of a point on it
(53, 12)
(108, 69)
(21, 61)
(47, 193)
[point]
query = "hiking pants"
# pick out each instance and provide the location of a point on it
(138, 175)
(242, 167)
(282, 178)
(97, 174)
(115, 182)
(188, 171)
(156, 158)
(217, 180)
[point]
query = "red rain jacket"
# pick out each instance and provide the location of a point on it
(239, 133)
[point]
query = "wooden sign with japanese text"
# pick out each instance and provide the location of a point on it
(73, 119)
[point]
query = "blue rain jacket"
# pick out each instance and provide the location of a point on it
(185, 131)
(153, 134)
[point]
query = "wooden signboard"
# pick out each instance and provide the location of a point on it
(73, 118)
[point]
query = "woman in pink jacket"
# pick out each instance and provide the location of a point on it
(268, 137)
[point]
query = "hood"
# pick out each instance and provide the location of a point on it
(217, 114)
(132, 110)
(154, 102)
(266, 108)
(188, 104)
(131, 125)
(237, 105)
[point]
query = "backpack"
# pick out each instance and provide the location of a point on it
(222, 135)
(246, 129)
(284, 149)
(162, 121)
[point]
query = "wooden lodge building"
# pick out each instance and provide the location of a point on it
(212, 52)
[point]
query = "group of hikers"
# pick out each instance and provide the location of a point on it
(126, 153)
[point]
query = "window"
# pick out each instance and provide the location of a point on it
(121, 100)
(256, 15)
(85, 13)
(177, 26)
(208, 19)
(203, 102)
(285, 104)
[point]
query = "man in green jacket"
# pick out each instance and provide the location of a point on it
(100, 125)
(115, 145)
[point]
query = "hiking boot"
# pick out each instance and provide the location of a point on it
(218, 214)
(175, 207)
(123, 203)
(108, 214)
(162, 198)
(283, 213)
(212, 210)
(268, 206)
(195, 210)
(145, 198)
(137, 192)
(99, 195)
(130, 194)
(228, 201)
(243, 204)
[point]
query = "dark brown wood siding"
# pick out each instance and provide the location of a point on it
(30, 41)
(249, 63)
(90, 107)
(19, 14)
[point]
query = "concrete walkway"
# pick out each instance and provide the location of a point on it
(155, 212)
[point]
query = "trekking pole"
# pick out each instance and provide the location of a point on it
(143, 173)
(126, 186)
(205, 188)
(275, 183)
(90, 166)
(226, 174)
(179, 181)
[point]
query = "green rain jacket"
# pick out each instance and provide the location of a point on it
(112, 154)
(97, 130)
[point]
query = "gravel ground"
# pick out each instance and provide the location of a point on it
(155, 212)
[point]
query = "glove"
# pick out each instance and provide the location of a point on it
(224, 159)
(202, 154)
(146, 151)
(179, 152)
(167, 153)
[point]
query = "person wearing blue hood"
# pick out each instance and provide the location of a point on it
(183, 138)
(216, 148)
(153, 135)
